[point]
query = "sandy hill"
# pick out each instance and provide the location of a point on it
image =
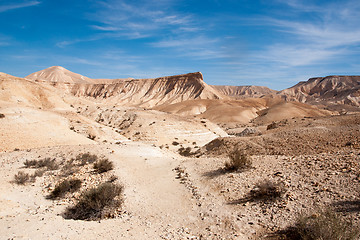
(59, 75)
(244, 91)
(132, 92)
(22, 92)
(288, 110)
(262, 110)
(331, 89)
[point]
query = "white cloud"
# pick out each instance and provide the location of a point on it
(7, 7)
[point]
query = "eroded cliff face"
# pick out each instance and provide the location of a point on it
(132, 92)
(332, 89)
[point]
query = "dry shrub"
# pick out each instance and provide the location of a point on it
(96, 203)
(186, 152)
(85, 158)
(2, 115)
(21, 178)
(322, 225)
(69, 169)
(48, 163)
(103, 165)
(64, 187)
(268, 190)
(238, 161)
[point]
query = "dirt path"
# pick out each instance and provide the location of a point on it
(160, 202)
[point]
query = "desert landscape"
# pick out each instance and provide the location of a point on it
(175, 158)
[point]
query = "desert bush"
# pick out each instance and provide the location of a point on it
(96, 203)
(2, 115)
(48, 163)
(323, 224)
(85, 158)
(268, 190)
(238, 161)
(37, 173)
(175, 143)
(103, 165)
(21, 178)
(69, 169)
(64, 187)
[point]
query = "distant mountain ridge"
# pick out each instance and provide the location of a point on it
(333, 90)
(244, 91)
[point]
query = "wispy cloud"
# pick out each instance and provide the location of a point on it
(16, 5)
(141, 18)
(331, 31)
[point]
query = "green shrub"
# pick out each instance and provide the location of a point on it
(64, 187)
(96, 203)
(238, 161)
(21, 178)
(103, 165)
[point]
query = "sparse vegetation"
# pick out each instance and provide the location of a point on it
(324, 224)
(97, 203)
(103, 165)
(238, 161)
(48, 163)
(185, 151)
(175, 143)
(2, 115)
(64, 187)
(268, 190)
(85, 158)
(21, 178)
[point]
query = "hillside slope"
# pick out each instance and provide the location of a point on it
(331, 89)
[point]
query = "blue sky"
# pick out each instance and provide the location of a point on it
(232, 42)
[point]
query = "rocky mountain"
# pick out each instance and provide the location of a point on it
(244, 91)
(330, 90)
(132, 92)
